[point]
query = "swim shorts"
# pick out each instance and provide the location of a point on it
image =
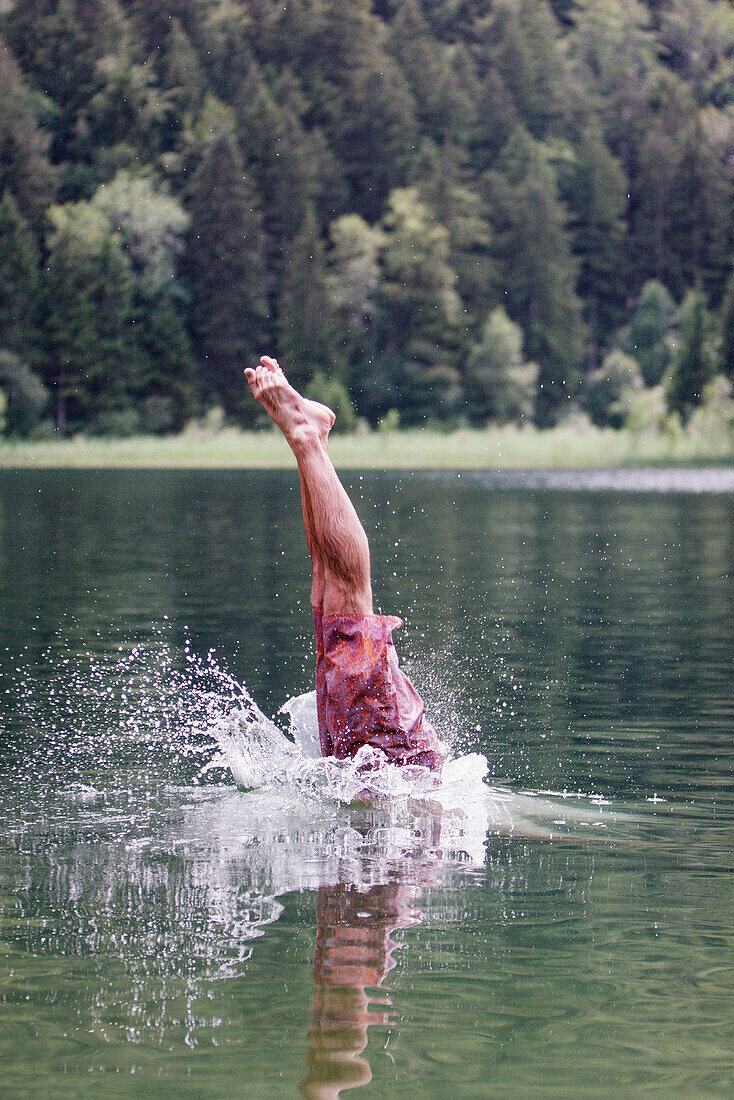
(363, 697)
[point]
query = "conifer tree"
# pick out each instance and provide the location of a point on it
(726, 355)
(421, 311)
(224, 272)
(91, 365)
(614, 54)
(528, 56)
(55, 50)
(23, 397)
(598, 201)
(19, 283)
(24, 165)
(444, 104)
(500, 385)
(305, 320)
(537, 270)
(363, 103)
(693, 365)
(168, 373)
(446, 186)
(649, 335)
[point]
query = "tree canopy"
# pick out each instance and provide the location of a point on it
(453, 210)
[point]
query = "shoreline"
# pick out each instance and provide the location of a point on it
(563, 447)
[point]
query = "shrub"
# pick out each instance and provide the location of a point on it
(500, 384)
(332, 392)
(604, 389)
(25, 395)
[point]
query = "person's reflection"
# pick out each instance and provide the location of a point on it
(354, 953)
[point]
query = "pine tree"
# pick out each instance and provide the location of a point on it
(500, 385)
(446, 187)
(362, 101)
(528, 57)
(421, 312)
(305, 320)
(19, 283)
(23, 398)
(53, 47)
(224, 272)
(649, 335)
(444, 103)
(726, 355)
(24, 165)
(598, 201)
(537, 270)
(91, 365)
(693, 365)
(167, 386)
(615, 58)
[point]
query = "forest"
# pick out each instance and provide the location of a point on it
(436, 212)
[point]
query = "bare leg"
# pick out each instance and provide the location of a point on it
(336, 540)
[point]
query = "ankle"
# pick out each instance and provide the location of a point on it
(305, 436)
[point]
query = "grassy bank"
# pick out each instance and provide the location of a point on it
(509, 448)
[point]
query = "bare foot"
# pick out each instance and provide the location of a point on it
(299, 419)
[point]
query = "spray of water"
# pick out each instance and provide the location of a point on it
(158, 712)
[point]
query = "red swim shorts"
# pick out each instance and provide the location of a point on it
(362, 696)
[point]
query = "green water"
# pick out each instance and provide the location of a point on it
(163, 934)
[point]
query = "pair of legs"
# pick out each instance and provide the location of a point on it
(336, 539)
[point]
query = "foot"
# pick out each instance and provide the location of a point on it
(299, 419)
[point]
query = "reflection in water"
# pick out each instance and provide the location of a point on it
(354, 953)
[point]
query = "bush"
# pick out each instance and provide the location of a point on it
(332, 392)
(117, 422)
(159, 415)
(604, 390)
(25, 395)
(500, 384)
(644, 411)
(713, 420)
(694, 363)
(649, 337)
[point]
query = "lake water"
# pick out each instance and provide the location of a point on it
(564, 929)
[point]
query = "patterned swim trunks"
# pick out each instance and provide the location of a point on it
(363, 697)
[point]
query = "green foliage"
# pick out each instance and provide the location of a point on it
(91, 363)
(598, 201)
(537, 269)
(333, 393)
(305, 322)
(500, 384)
(649, 337)
(443, 98)
(693, 364)
(607, 390)
(420, 312)
(418, 287)
(20, 282)
(25, 169)
(726, 355)
(224, 273)
(24, 397)
(150, 226)
(359, 186)
(55, 50)
(531, 63)
(713, 419)
(168, 376)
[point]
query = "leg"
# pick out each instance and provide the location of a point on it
(336, 540)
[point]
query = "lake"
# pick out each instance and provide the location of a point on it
(564, 929)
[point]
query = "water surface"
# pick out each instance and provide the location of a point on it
(164, 933)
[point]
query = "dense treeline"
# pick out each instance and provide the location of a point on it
(457, 209)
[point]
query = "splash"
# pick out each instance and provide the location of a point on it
(156, 712)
